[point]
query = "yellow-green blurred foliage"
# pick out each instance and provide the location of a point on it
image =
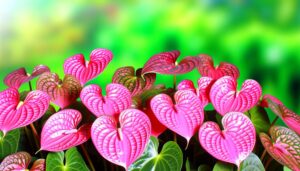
(261, 37)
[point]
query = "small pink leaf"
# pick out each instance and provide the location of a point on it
(86, 70)
(234, 143)
(16, 78)
(60, 131)
(225, 97)
(15, 113)
(62, 93)
(204, 86)
(186, 85)
(116, 100)
(265, 98)
(283, 146)
(206, 68)
(165, 63)
(122, 144)
(38, 165)
(184, 117)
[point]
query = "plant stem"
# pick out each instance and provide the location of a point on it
(263, 155)
(268, 163)
(175, 137)
(87, 157)
(174, 82)
(274, 121)
(30, 87)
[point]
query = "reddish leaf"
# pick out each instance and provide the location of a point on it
(38, 165)
(86, 70)
(186, 85)
(265, 98)
(157, 127)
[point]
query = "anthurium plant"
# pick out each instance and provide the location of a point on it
(137, 123)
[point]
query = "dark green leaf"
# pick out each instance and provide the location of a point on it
(204, 167)
(187, 165)
(9, 143)
(259, 118)
(222, 166)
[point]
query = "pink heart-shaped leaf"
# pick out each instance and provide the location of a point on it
(206, 68)
(122, 144)
(186, 85)
(60, 131)
(63, 93)
(135, 83)
(225, 97)
(86, 70)
(15, 113)
(184, 117)
(283, 146)
(165, 63)
(16, 78)
(20, 161)
(116, 100)
(234, 143)
(265, 98)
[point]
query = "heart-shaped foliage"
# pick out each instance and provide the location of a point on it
(206, 68)
(134, 82)
(86, 70)
(9, 143)
(259, 118)
(122, 144)
(15, 113)
(264, 102)
(69, 161)
(234, 143)
(165, 63)
(222, 166)
(116, 100)
(60, 131)
(16, 78)
(283, 146)
(186, 85)
(184, 117)
(225, 97)
(62, 93)
(252, 163)
(20, 161)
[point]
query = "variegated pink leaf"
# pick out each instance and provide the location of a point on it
(122, 144)
(265, 98)
(86, 70)
(184, 117)
(60, 131)
(135, 83)
(206, 68)
(234, 143)
(225, 97)
(15, 113)
(16, 78)
(165, 63)
(38, 165)
(186, 85)
(116, 100)
(283, 146)
(204, 86)
(62, 93)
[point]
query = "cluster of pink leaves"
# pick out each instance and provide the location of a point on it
(122, 129)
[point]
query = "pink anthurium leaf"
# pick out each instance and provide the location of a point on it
(135, 83)
(62, 92)
(16, 78)
(225, 97)
(283, 146)
(265, 98)
(234, 143)
(86, 70)
(165, 63)
(38, 165)
(186, 85)
(157, 127)
(121, 144)
(15, 113)
(60, 131)
(206, 68)
(184, 117)
(116, 100)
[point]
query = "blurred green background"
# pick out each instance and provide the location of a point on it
(261, 37)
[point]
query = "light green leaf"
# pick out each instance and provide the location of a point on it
(204, 167)
(187, 165)
(9, 143)
(286, 169)
(259, 118)
(70, 161)
(222, 166)
(252, 163)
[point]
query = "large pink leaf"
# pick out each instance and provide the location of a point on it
(15, 113)
(63, 93)
(60, 131)
(86, 70)
(16, 78)
(165, 63)
(225, 97)
(116, 100)
(207, 69)
(122, 144)
(184, 117)
(283, 146)
(135, 83)
(234, 143)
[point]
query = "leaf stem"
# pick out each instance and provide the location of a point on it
(274, 121)
(30, 86)
(263, 155)
(174, 82)
(268, 163)
(175, 137)
(87, 157)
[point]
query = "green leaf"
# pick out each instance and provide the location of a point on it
(259, 118)
(252, 163)
(187, 165)
(286, 169)
(70, 161)
(222, 166)
(9, 143)
(204, 167)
